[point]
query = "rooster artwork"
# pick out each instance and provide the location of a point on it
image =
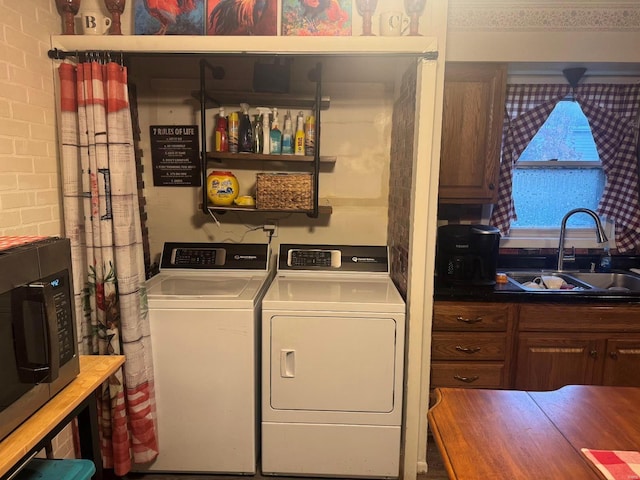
(169, 17)
(316, 17)
(242, 17)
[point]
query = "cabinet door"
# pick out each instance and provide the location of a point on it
(548, 362)
(471, 132)
(622, 363)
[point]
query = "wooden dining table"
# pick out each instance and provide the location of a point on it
(509, 434)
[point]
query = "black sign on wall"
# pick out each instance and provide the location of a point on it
(175, 155)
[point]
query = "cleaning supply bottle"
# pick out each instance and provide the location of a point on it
(287, 137)
(221, 140)
(310, 136)
(299, 138)
(275, 136)
(245, 130)
(264, 129)
(257, 135)
(234, 126)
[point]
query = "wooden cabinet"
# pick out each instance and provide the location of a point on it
(471, 344)
(567, 344)
(473, 112)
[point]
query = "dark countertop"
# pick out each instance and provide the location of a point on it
(511, 292)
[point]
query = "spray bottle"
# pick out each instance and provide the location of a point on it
(245, 131)
(287, 136)
(275, 135)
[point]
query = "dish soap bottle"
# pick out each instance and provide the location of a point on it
(275, 136)
(287, 136)
(246, 132)
(605, 260)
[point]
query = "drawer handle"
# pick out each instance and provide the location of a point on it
(469, 350)
(466, 379)
(469, 320)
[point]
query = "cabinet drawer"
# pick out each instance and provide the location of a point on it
(470, 316)
(577, 318)
(467, 374)
(468, 346)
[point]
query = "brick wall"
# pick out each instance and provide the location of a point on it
(400, 180)
(29, 175)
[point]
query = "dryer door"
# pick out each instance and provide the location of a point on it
(325, 363)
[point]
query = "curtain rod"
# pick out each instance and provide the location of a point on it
(104, 56)
(57, 54)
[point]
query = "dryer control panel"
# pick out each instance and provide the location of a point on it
(313, 258)
(347, 258)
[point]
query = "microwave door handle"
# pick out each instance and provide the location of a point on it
(30, 370)
(44, 294)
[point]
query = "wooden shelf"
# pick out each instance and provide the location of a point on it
(243, 45)
(322, 209)
(217, 98)
(259, 157)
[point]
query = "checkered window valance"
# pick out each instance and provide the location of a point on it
(612, 112)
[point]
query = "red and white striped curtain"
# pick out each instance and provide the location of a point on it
(102, 220)
(612, 112)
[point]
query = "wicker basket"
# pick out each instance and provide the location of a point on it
(284, 191)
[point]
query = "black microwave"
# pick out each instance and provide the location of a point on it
(38, 345)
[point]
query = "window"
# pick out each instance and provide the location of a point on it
(558, 171)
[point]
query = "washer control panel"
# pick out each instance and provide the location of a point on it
(197, 256)
(215, 256)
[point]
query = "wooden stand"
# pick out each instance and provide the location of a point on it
(76, 400)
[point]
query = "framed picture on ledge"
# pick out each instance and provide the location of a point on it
(169, 17)
(242, 17)
(316, 17)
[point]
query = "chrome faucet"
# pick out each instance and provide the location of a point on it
(600, 235)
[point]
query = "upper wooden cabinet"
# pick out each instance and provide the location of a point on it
(474, 95)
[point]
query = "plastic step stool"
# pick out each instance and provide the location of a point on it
(40, 469)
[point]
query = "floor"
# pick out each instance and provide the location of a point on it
(434, 461)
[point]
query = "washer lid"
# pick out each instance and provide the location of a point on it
(200, 286)
(333, 293)
(180, 290)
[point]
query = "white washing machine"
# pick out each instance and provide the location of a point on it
(204, 316)
(333, 327)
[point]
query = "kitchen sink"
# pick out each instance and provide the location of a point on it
(534, 281)
(624, 282)
(547, 281)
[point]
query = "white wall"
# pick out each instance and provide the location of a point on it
(355, 129)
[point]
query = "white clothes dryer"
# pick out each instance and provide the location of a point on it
(204, 317)
(333, 327)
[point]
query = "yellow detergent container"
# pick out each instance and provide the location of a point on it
(222, 188)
